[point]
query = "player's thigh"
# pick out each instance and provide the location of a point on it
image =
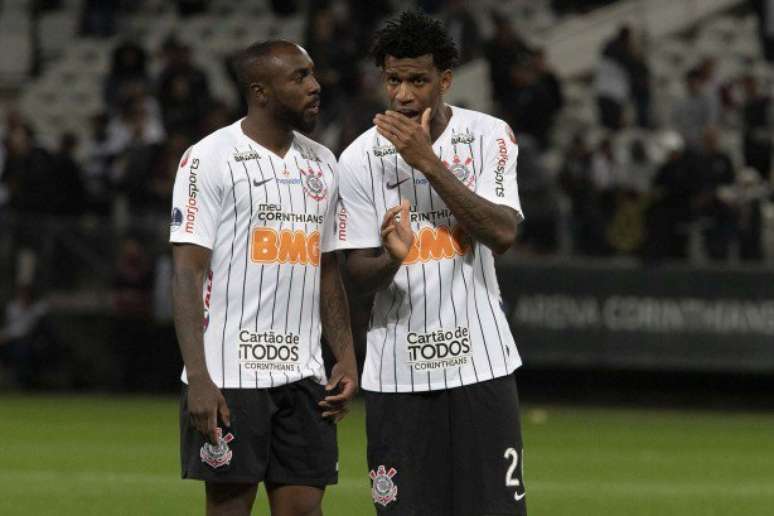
(287, 500)
(488, 467)
(408, 452)
(229, 499)
(241, 455)
(303, 450)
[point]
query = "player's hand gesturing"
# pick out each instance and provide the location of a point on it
(411, 140)
(205, 405)
(397, 236)
(341, 387)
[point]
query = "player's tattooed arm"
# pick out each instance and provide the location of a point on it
(337, 329)
(205, 401)
(492, 224)
(374, 269)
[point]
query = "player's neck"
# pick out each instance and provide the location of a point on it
(267, 133)
(439, 122)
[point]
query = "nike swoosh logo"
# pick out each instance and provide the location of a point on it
(518, 496)
(396, 183)
(259, 183)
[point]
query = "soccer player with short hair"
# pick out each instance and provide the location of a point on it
(429, 196)
(252, 224)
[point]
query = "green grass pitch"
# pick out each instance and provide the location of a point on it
(90, 455)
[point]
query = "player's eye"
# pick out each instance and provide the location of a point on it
(419, 82)
(393, 81)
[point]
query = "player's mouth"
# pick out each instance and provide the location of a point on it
(410, 113)
(313, 107)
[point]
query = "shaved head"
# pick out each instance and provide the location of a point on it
(256, 62)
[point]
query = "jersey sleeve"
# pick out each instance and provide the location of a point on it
(357, 220)
(329, 225)
(196, 198)
(498, 178)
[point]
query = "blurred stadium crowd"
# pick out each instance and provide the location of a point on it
(85, 177)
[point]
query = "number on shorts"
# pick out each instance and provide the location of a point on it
(511, 478)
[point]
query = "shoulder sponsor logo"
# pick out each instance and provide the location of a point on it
(463, 139)
(461, 170)
(502, 160)
(384, 150)
(438, 349)
(341, 224)
(383, 488)
(176, 220)
(314, 183)
(220, 455)
(192, 204)
(246, 156)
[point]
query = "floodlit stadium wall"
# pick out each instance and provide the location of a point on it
(656, 319)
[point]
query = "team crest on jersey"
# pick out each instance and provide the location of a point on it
(383, 489)
(314, 184)
(220, 455)
(186, 155)
(461, 170)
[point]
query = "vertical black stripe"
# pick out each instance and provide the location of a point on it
(384, 341)
(491, 310)
(228, 285)
(478, 312)
(440, 276)
(303, 282)
(247, 252)
(277, 265)
(260, 281)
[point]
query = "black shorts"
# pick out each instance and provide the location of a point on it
(455, 452)
(276, 435)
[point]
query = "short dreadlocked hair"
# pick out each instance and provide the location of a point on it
(414, 34)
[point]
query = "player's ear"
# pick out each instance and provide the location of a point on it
(259, 92)
(446, 81)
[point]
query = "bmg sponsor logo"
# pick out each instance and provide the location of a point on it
(502, 159)
(439, 349)
(268, 350)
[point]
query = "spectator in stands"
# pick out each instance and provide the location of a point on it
(548, 96)
(611, 88)
(717, 171)
(757, 127)
(128, 70)
(765, 12)
(28, 174)
(504, 50)
(746, 197)
(671, 214)
(98, 18)
(135, 126)
(67, 179)
(694, 113)
(183, 90)
(463, 28)
(98, 163)
(359, 116)
(587, 223)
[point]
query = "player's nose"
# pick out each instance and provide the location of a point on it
(403, 94)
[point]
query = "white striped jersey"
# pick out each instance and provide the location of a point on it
(440, 323)
(266, 219)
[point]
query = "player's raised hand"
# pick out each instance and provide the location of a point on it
(205, 405)
(411, 140)
(342, 387)
(397, 237)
